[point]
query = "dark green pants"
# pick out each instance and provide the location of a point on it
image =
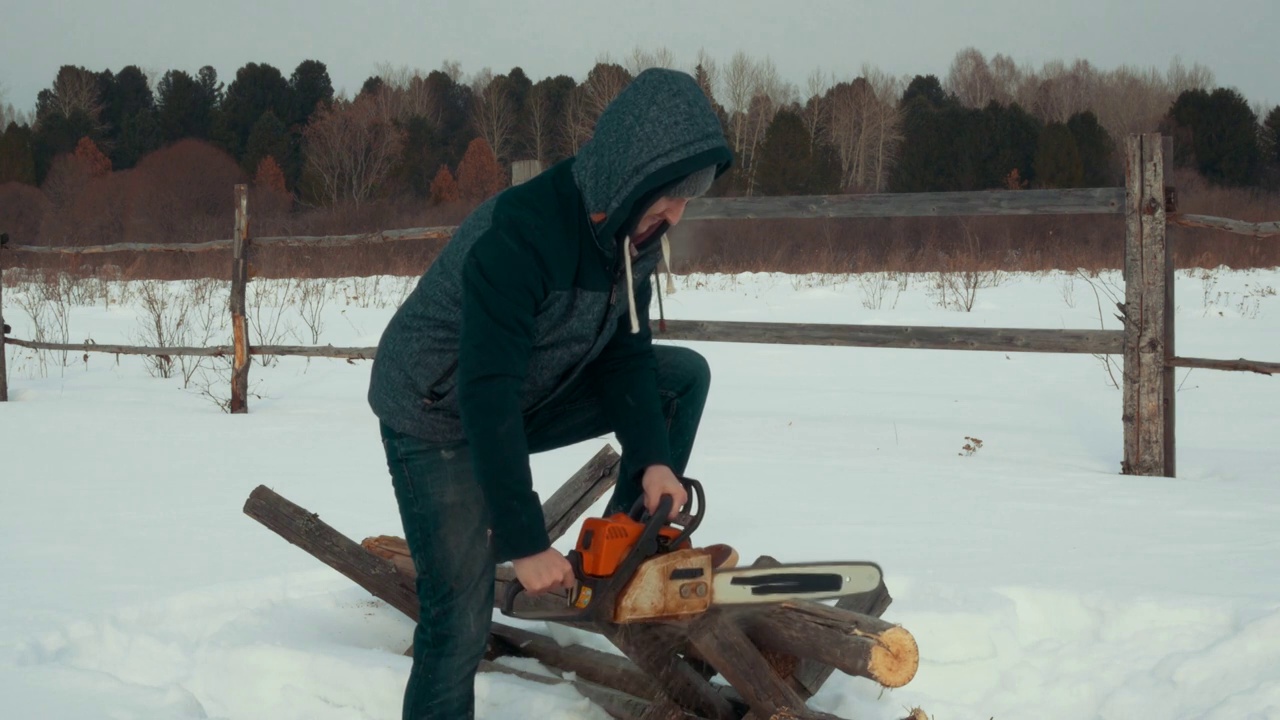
(446, 526)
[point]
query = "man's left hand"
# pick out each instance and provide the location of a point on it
(658, 481)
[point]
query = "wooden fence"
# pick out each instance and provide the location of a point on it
(1146, 340)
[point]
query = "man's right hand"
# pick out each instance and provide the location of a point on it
(548, 570)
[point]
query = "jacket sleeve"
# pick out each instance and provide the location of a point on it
(502, 287)
(626, 379)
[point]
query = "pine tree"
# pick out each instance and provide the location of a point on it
(1058, 162)
(17, 155)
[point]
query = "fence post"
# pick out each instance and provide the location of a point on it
(239, 325)
(4, 372)
(1148, 313)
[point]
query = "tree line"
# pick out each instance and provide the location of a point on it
(439, 137)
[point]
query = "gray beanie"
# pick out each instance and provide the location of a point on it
(693, 185)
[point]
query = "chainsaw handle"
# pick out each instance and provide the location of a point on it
(687, 519)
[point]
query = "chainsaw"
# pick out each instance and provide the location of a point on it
(636, 566)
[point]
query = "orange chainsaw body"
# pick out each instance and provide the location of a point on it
(604, 542)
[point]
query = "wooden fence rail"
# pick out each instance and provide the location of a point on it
(1146, 340)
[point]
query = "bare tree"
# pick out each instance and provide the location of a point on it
(970, 79)
(605, 81)
(74, 89)
(755, 92)
(493, 112)
(888, 124)
(740, 82)
(709, 78)
(1180, 78)
(1005, 78)
(352, 147)
(816, 86)
(640, 59)
(409, 95)
(541, 123)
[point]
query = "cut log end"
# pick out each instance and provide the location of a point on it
(389, 547)
(894, 659)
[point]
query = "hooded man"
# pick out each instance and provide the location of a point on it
(530, 332)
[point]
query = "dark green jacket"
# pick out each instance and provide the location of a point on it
(530, 295)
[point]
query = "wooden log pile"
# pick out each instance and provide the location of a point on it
(774, 657)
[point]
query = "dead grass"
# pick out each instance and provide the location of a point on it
(963, 250)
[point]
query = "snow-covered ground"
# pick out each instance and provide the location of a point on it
(1038, 581)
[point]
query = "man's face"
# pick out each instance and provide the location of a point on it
(666, 209)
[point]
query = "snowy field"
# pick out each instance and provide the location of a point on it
(1038, 581)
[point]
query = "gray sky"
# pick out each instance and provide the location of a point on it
(1236, 39)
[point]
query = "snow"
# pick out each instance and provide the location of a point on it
(1037, 580)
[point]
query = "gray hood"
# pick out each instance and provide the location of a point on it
(659, 129)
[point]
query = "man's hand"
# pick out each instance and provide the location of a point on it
(658, 481)
(548, 570)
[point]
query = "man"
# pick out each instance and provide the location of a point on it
(530, 332)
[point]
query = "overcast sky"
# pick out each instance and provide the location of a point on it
(1239, 40)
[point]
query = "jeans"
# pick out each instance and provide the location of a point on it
(446, 526)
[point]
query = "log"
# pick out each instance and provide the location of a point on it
(239, 322)
(596, 666)
(1076, 201)
(813, 674)
(1239, 227)
(314, 536)
(580, 492)
(617, 704)
(322, 351)
(656, 650)
(856, 644)
(808, 675)
(1254, 366)
(724, 644)
(1093, 342)
(385, 236)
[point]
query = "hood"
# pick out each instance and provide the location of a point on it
(660, 128)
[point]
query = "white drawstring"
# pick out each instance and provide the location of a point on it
(631, 293)
(666, 260)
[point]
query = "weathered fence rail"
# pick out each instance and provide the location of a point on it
(1146, 340)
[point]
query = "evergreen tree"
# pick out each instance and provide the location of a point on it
(57, 134)
(310, 87)
(1216, 133)
(1058, 163)
(790, 163)
(421, 157)
(268, 138)
(17, 155)
(454, 129)
(1008, 137)
(128, 116)
(257, 89)
(941, 145)
(1270, 147)
(1096, 150)
(186, 105)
